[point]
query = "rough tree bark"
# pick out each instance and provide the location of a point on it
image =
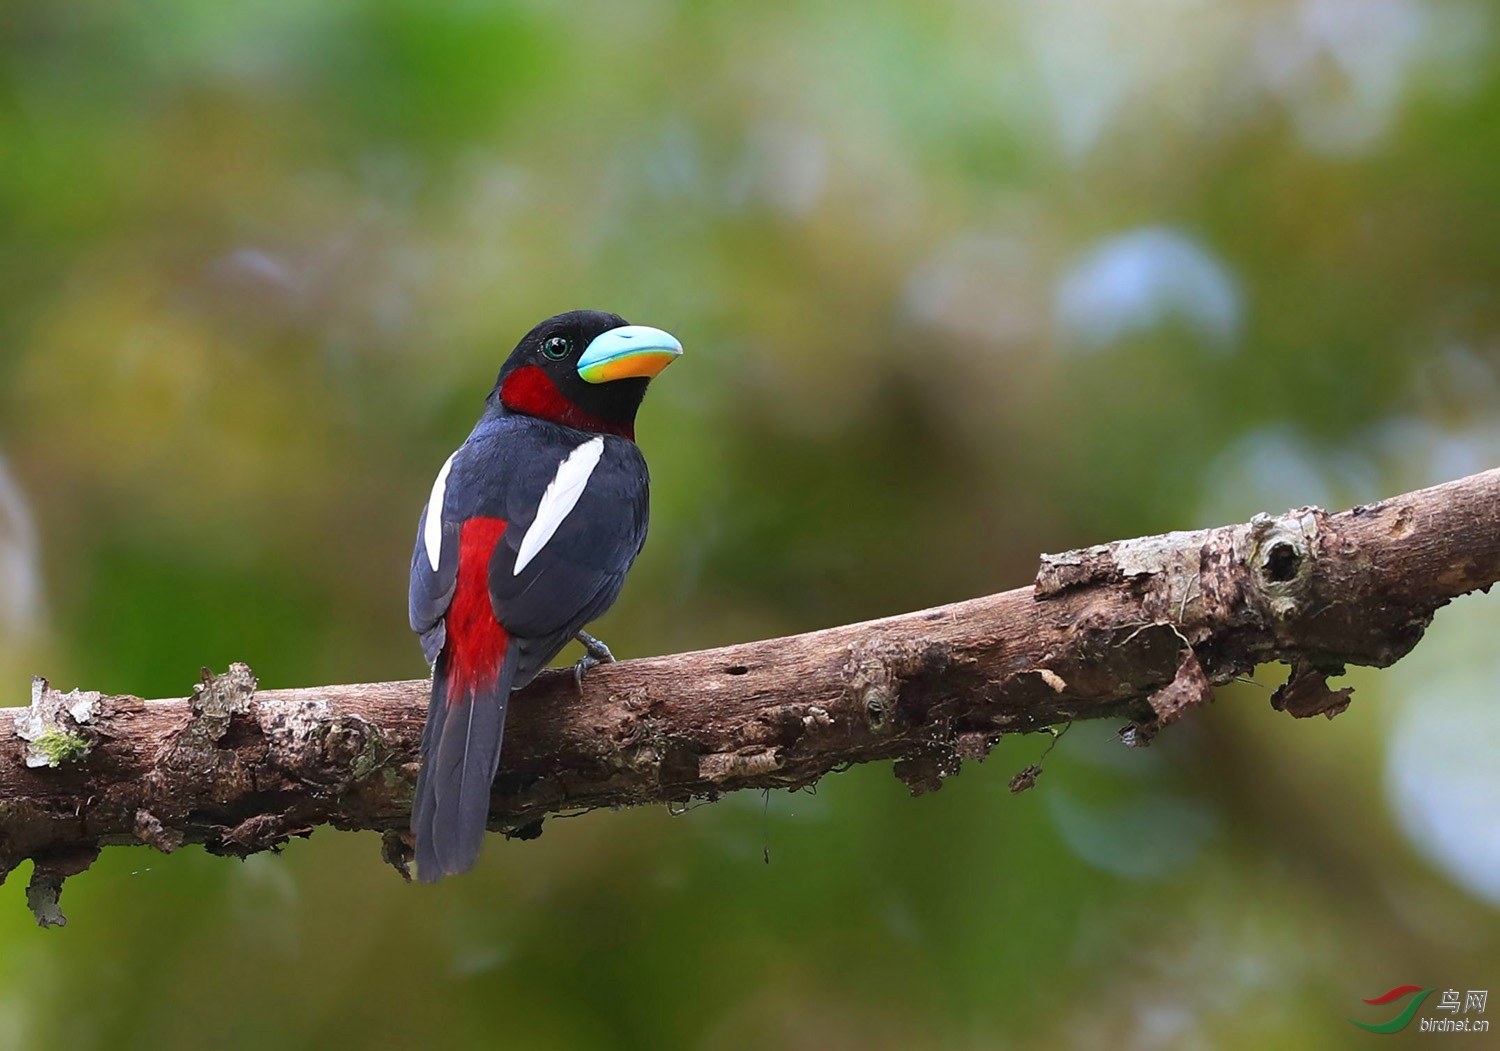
(1138, 630)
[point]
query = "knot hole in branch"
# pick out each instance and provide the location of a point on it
(1281, 562)
(1283, 552)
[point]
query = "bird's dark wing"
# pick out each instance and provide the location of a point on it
(434, 571)
(504, 471)
(577, 573)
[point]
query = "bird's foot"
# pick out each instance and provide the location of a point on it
(595, 652)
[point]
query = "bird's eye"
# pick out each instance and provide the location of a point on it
(556, 347)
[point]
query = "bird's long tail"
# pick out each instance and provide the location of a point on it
(460, 753)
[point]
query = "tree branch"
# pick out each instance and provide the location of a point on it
(1139, 630)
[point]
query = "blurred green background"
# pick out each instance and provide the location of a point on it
(959, 283)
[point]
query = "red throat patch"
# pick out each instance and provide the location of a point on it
(530, 390)
(476, 642)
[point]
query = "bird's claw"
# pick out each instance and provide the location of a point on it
(579, 669)
(595, 652)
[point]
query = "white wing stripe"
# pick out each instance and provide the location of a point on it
(432, 532)
(562, 495)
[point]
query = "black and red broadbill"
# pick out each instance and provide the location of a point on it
(527, 537)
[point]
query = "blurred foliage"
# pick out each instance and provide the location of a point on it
(959, 283)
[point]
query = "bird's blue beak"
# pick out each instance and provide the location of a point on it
(628, 351)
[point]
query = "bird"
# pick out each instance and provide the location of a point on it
(526, 538)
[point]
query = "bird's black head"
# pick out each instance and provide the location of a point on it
(584, 369)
